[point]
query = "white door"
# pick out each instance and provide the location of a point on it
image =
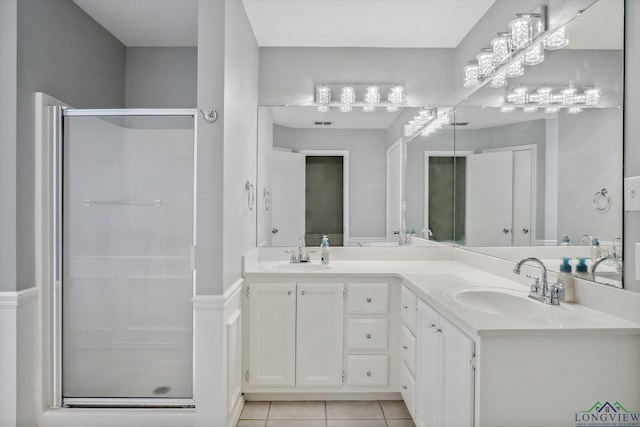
(458, 376)
(287, 198)
(320, 324)
(522, 197)
(428, 377)
(395, 160)
(272, 334)
(489, 190)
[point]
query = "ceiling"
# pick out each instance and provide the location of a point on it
(305, 23)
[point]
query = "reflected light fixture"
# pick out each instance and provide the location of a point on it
(486, 65)
(534, 56)
(556, 40)
(568, 98)
(501, 48)
(347, 97)
(471, 74)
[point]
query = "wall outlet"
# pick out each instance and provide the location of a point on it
(632, 194)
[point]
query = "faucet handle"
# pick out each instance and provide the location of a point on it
(551, 295)
(535, 286)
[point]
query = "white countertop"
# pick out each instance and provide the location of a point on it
(438, 282)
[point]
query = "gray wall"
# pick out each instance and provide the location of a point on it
(161, 77)
(367, 166)
(589, 159)
(8, 96)
(632, 136)
(240, 138)
(284, 137)
(288, 74)
(66, 54)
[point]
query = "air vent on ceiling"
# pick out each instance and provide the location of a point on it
(322, 123)
(458, 124)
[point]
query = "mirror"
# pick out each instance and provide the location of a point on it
(333, 173)
(532, 178)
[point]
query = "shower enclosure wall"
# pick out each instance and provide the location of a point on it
(124, 185)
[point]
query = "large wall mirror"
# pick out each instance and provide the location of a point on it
(536, 178)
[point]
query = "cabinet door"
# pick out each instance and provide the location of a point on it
(320, 334)
(458, 376)
(429, 374)
(272, 334)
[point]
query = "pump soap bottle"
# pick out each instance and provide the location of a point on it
(595, 249)
(582, 272)
(565, 279)
(324, 250)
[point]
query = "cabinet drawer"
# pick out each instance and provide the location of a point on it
(408, 303)
(408, 349)
(367, 370)
(368, 298)
(408, 389)
(367, 334)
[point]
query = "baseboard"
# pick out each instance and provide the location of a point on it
(301, 396)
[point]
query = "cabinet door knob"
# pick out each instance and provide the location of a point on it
(404, 387)
(405, 347)
(288, 292)
(368, 336)
(525, 230)
(303, 292)
(369, 373)
(405, 307)
(368, 299)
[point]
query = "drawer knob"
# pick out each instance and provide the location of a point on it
(404, 387)
(368, 299)
(368, 336)
(405, 307)
(369, 373)
(405, 347)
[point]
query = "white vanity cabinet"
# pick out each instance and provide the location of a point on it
(445, 381)
(295, 334)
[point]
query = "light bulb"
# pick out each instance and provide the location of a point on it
(368, 108)
(348, 95)
(574, 110)
(534, 55)
(471, 74)
(486, 65)
(501, 48)
(345, 108)
(551, 110)
(323, 108)
(592, 96)
(515, 69)
(323, 95)
(372, 95)
(392, 109)
(556, 40)
(529, 109)
(568, 96)
(507, 109)
(544, 95)
(396, 95)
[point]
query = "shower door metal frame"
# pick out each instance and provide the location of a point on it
(57, 119)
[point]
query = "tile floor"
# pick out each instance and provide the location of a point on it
(388, 413)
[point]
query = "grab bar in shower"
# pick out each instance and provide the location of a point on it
(88, 203)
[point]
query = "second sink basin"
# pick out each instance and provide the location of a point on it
(504, 302)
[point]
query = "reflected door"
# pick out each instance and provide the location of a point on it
(489, 201)
(288, 206)
(127, 276)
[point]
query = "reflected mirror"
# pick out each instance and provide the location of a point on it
(536, 178)
(339, 174)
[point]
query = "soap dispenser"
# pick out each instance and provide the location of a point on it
(566, 281)
(565, 240)
(582, 272)
(595, 249)
(324, 250)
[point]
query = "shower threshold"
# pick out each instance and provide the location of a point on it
(128, 402)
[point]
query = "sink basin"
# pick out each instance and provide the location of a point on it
(299, 268)
(385, 244)
(503, 302)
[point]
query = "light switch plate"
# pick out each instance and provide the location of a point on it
(632, 194)
(637, 261)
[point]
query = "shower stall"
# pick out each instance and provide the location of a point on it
(123, 207)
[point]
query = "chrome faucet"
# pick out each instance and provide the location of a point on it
(301, 255)
(427, 232)
(404, 237)
(544, 292)
(597, 262)
(613, 247)
(586, 236)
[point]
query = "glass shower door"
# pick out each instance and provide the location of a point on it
(127, 278)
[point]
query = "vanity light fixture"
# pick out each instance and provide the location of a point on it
(568, 98)
(347, 97)
(435, 125)
(524, 44)
(419, 121)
